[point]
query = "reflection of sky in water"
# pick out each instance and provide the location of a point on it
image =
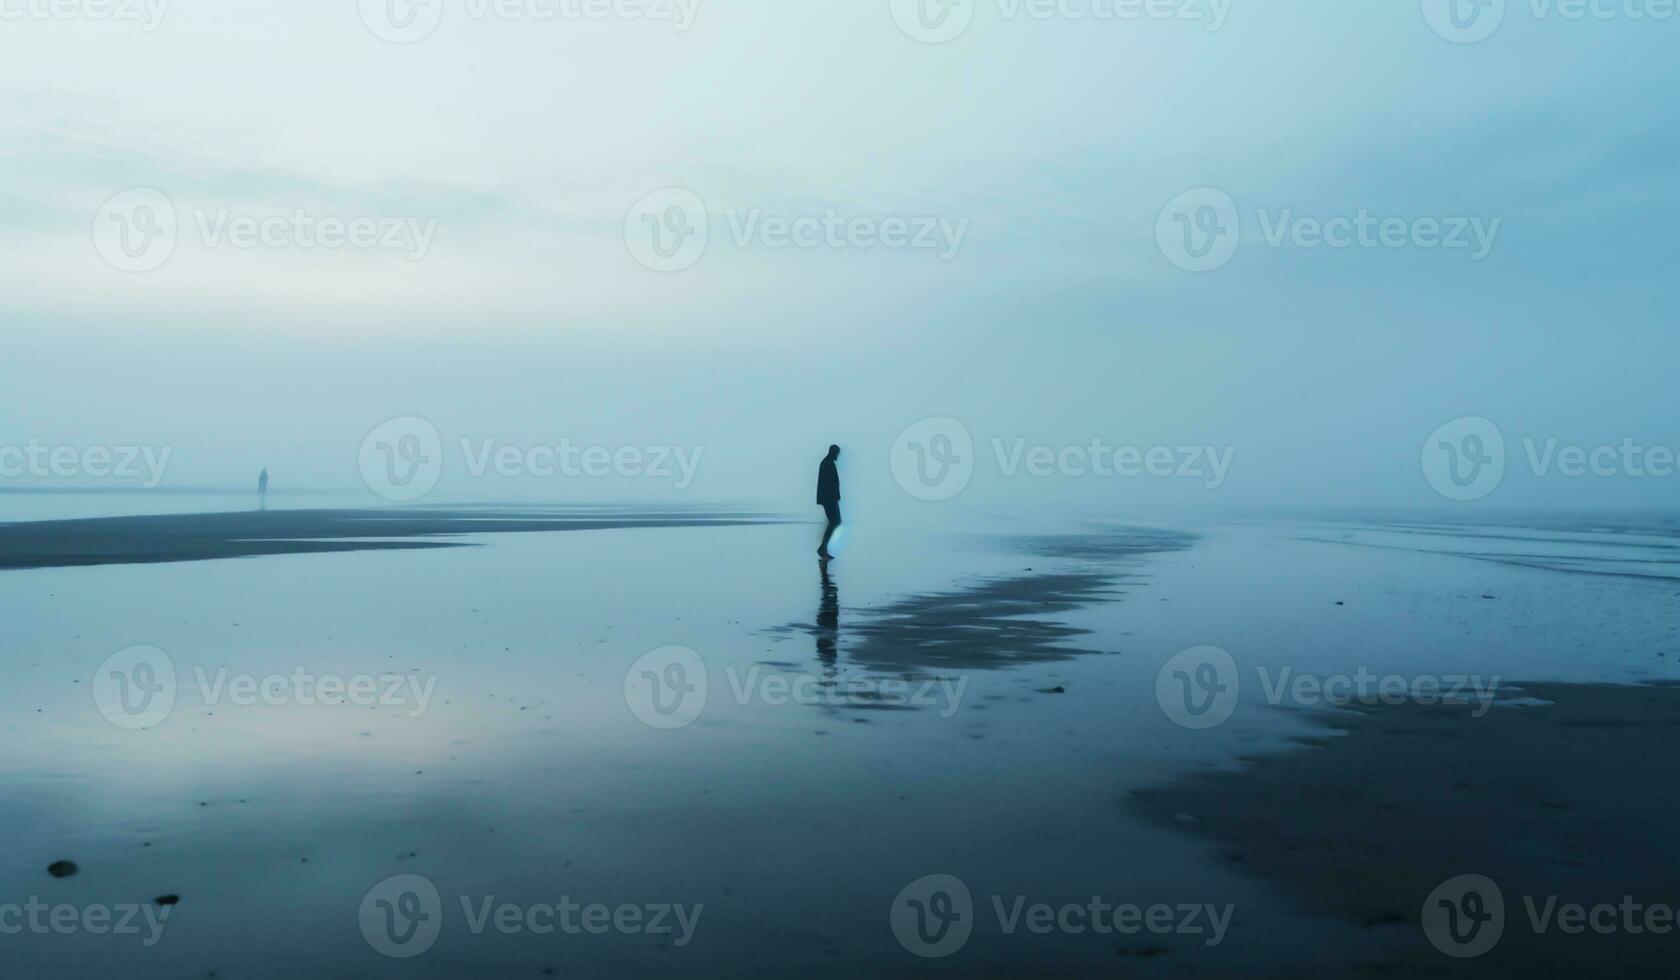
(1594, 546)
(795, 824)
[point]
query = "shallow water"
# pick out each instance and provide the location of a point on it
(529, 773)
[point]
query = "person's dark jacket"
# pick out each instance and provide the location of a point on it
(828, 483)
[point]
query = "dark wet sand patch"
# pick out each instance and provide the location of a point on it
(993, 623)
(1575, 799)
(204, 537)
(1005, 621)
(979, 627)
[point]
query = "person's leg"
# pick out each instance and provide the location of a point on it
(833, 512)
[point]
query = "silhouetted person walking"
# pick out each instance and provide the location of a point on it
(828, 496)
(262, 489)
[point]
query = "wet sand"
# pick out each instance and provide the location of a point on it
(530, 775)
(1574, 799)
(157, 538)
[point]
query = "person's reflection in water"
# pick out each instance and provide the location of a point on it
(828, 628)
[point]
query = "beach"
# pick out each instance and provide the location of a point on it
(976, 704)
(911, 488)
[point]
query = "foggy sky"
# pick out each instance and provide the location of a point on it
(1057, 143)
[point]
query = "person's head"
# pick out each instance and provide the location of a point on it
(833, 452)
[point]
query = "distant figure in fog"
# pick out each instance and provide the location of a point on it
(828, 496)
(262, 489)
